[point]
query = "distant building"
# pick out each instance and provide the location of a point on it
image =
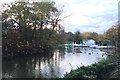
(90, 42)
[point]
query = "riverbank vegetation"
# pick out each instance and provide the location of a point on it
(105, 69)
(34, 28)
(101, 70)
(108, 38)
(30, 28)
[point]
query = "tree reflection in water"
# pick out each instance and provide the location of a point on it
(49, 66)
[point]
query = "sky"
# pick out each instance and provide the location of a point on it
(87, 15)
(90, 15)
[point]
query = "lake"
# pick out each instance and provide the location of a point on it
(52, 66)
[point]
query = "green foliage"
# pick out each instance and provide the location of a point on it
(78, 37)
(118, 38)
(96, 71)
(70, 37)
(30, 35)
(93, 35)
(111, 35)
(109, 38)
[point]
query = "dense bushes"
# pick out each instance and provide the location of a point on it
(98, 70)
(17, 43)
(34, 28)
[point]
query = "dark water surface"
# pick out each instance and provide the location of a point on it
(52, 66)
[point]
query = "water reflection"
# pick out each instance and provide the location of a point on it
(52, 66)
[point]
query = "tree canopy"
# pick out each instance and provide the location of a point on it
(29, 27)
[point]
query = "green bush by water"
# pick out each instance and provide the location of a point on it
(98, 70)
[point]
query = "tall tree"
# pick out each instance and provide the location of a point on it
(78, 37)
(25, 27)
(111, 35)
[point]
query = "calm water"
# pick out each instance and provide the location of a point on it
(50, 67)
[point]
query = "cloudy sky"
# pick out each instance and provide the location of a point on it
(88, 15)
